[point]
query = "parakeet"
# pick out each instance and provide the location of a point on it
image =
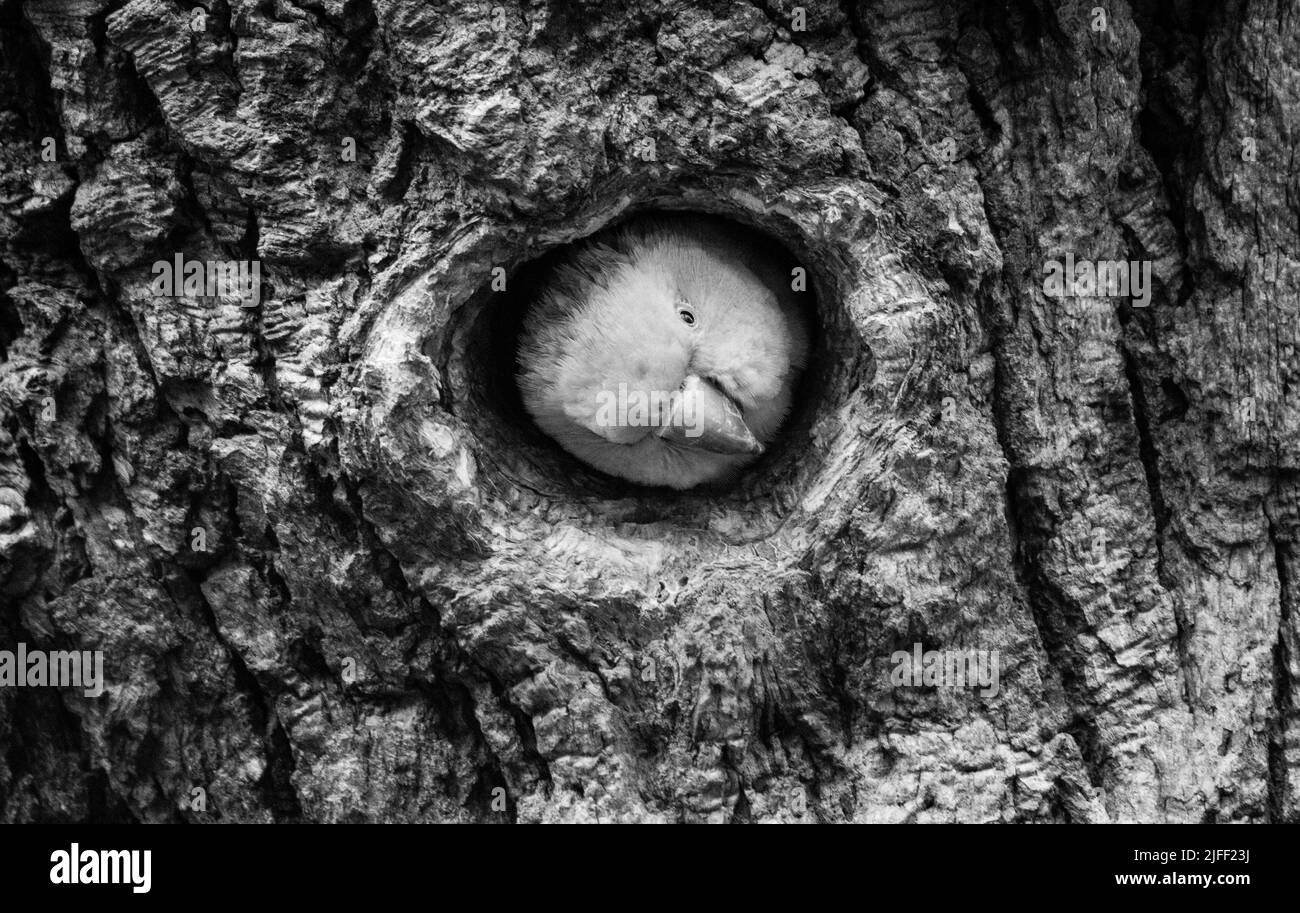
(665, 352)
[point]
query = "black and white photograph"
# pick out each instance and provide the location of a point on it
(867, 412)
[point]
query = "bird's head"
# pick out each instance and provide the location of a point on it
(675, 349)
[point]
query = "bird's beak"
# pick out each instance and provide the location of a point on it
(706, 418)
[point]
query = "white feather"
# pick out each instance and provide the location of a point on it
(610, 316)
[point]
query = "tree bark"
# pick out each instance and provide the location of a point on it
(337, 575)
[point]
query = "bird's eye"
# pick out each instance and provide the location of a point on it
(687, 315)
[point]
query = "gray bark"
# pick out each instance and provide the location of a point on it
(407, 606)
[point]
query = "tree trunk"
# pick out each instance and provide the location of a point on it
(336, 574)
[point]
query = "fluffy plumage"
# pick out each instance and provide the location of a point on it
(681, 312)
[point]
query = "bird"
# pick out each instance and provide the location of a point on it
(665, 351)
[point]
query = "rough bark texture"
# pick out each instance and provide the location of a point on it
(407, 604)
